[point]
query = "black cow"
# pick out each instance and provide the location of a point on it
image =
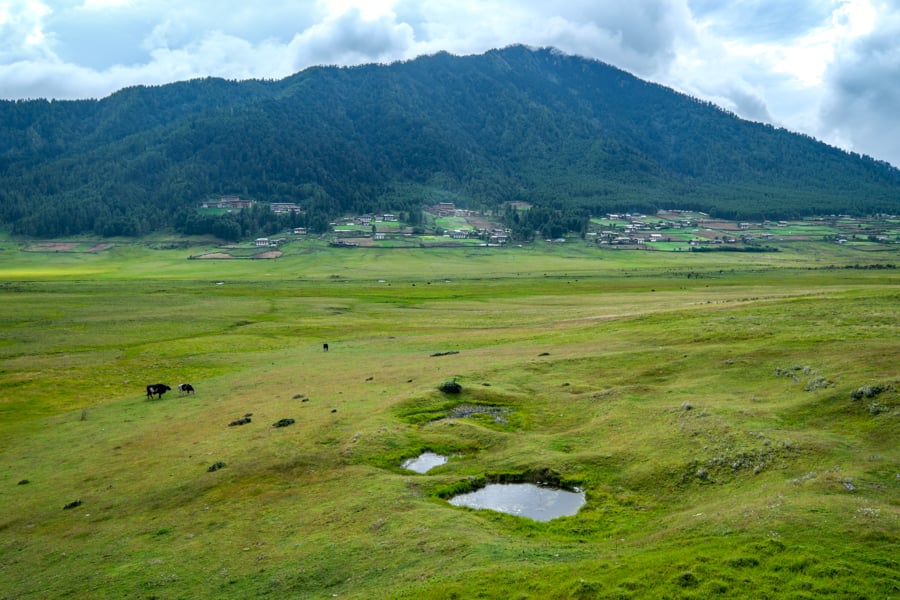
(325, 347)
(185, 388)
(157, 389)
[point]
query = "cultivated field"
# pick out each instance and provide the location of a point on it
(732, 418)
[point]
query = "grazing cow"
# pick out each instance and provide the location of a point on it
(185, 388)
(325, 347)
(158, 389)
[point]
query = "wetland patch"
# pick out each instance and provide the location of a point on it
(497, 413)
(494, 413)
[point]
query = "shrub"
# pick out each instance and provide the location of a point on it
(877, 409)
(686, 579)
(868, 391)
(450, 387)
(815, 383)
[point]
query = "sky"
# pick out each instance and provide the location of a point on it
(826, 68)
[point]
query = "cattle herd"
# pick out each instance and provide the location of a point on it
(158, 389)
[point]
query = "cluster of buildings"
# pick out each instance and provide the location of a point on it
(238, 203)
(448, 209)
(227, 203)
(495, 236)
(366, 220)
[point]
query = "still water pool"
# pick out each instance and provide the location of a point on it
(424, 462)
(523, 500)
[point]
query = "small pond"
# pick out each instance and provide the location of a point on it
(523, 500)
(424, 462)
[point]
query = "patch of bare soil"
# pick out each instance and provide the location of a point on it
(269, 254)
(219, 255)
(722, 225)
(53, 246)
(99, 248)
(480, 223)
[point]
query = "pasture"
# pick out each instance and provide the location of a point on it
(732, 419)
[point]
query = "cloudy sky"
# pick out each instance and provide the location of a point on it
(828, 68)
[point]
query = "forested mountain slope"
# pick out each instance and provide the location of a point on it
(521, 124)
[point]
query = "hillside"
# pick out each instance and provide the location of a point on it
(517, 124)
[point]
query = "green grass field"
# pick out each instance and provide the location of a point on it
(732, 418)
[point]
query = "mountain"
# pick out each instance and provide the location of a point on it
(562, 132)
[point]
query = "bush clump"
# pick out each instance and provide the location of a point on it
(868, 391)
(450, 387)
(816, 383)
(876, 408)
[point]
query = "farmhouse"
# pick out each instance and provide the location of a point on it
(262, 242)
(227, 202)
(445, 209)
(283, 208)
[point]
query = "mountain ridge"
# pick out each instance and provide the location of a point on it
(514, 124)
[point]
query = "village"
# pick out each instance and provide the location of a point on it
(445, 224)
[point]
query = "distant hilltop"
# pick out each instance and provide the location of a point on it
(563, 134)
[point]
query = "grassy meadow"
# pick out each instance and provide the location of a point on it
(732, 418)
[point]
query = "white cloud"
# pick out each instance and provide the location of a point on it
(350, 38)
(863, 90)
(22, 35)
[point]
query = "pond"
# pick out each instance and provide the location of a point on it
(523, 500)
(424, 462)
